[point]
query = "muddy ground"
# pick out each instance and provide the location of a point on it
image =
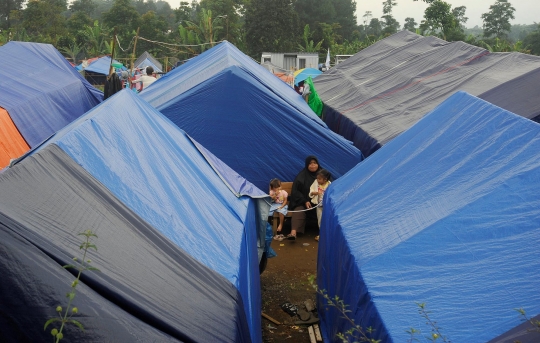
(286, 279)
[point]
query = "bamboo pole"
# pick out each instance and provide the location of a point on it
(133, 53)
(112, 54)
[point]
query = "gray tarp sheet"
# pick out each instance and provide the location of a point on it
(384, 89)
(147, 290)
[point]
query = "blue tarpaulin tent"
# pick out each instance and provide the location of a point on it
(252, 130)
(41, 91)
(190, 197)
(446, 214)
(102, 65)
(147, 60)
(211, 62)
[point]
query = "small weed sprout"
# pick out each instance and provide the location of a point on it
(535, 323)
(435, 329)
(356, 333)
(66, 317)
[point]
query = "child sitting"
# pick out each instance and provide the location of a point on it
(316, 192)
(279, 204)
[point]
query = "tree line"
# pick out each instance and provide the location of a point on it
(85, 28)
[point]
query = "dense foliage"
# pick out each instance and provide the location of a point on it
(85, 28)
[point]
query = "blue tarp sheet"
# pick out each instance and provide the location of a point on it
(147, 63)
(41, 91)
(147, 289)
(254, 131)
(102, 65)
(446, 214)
(156, 170)
(211, 62)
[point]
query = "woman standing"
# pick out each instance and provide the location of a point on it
(300, 199)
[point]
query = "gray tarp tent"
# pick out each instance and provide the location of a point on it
(384, 89)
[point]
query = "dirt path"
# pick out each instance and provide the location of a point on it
(286, 280)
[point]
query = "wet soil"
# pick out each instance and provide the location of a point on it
(286, 279)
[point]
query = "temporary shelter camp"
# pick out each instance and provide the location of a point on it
(40, 93)
(446, 214)
(147, 60)
(251, 129)
(177, 244)
(96, 73)
(384, 89)
(211, 62)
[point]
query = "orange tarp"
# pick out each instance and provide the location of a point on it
(287, 78)
(12, 144)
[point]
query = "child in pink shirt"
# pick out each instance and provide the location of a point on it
(279, 204)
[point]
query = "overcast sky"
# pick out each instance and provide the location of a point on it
(527, 11)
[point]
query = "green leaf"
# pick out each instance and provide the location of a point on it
(93, 268)
(79, 325)
(69, 266)
(52, 320)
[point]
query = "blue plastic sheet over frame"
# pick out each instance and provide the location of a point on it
(446, 214)
(255, 132)
(102, 65)
(154, 168)
(41, 91)
(212, 62)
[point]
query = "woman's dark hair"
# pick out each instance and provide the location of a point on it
(149, 70)
(275, 183)
(324, 173)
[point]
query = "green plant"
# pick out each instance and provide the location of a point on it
(435, 329)
(357, 333)
(66, 317)
(534, 322)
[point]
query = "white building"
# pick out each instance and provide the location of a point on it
(292, 60)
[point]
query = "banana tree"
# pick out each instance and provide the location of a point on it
(206, 31)
(309, 45)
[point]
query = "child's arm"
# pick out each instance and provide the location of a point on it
(313, 189)
(285, 195)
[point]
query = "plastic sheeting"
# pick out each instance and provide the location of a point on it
(212, 62)
(146, 59)
(147, 290)
(446, 214)
(102, 65)
(41, 91)
(154, 168)
(386, 88)
(519, 95)
(12, 144)
(255, 132)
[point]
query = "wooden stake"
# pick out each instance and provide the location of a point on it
(311, 335)
(112, 54)
(317, 332)
(270, 318)
(133, 53)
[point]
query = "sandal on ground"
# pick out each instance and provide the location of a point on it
(317, 238)
(291, 237)
(291, 309)
(279, 237)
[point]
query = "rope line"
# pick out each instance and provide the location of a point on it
(179, 45)
(307, 209)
